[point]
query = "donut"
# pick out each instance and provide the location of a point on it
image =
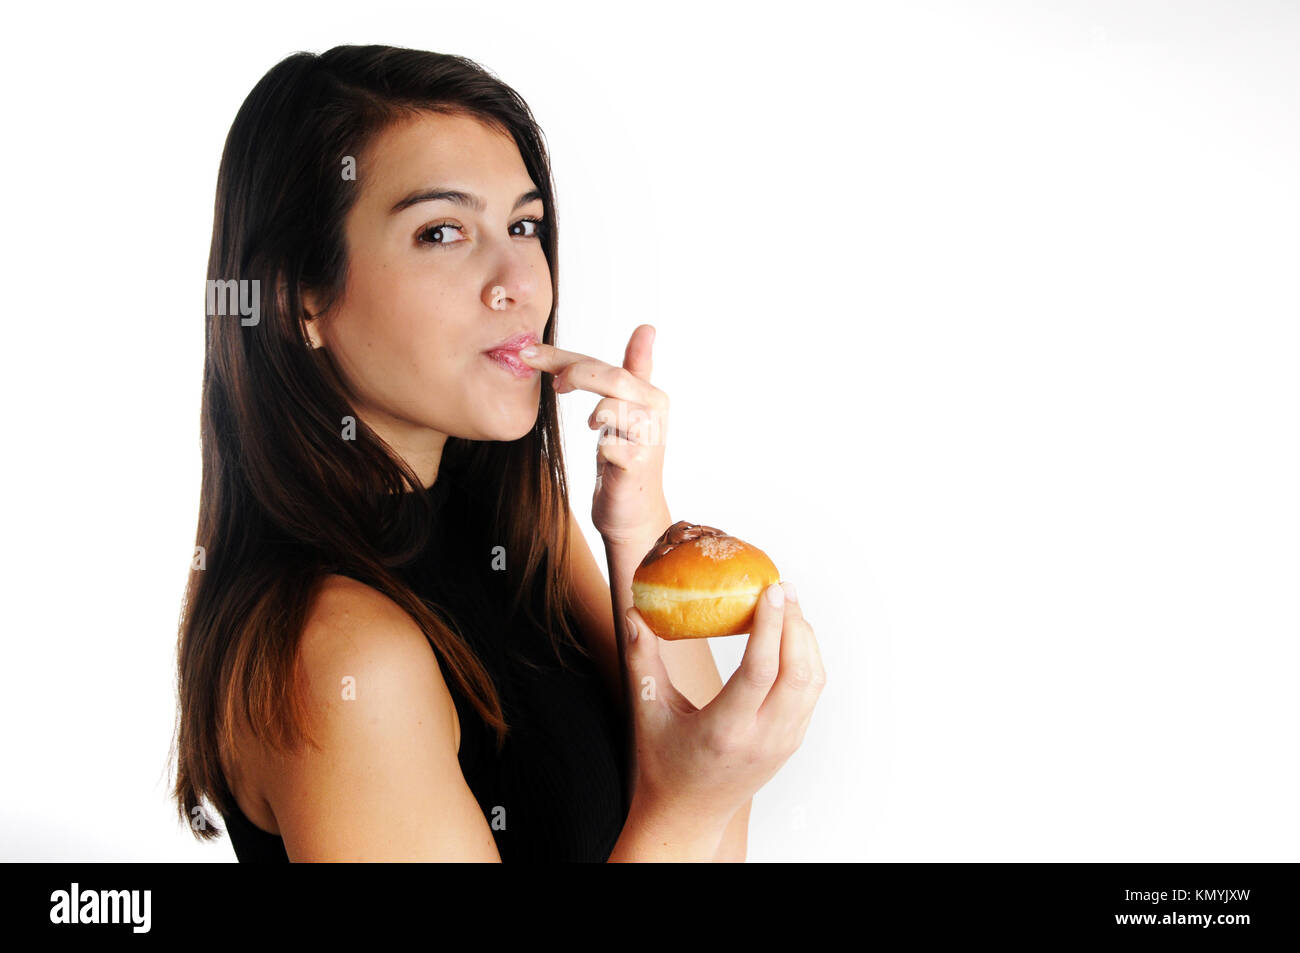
(698, 582)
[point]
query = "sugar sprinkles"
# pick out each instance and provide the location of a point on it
(718, 547)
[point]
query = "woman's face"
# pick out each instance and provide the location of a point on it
(433, 284)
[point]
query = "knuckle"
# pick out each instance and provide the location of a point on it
(801, 676)
(761, 676)
(721, 740)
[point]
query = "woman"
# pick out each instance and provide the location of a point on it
(396, 644)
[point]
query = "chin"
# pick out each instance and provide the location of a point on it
(512, 430)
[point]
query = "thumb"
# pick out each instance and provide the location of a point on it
(638, 356)
(649, 688)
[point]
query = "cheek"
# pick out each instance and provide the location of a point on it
(542, 279)
(402, 307)
(395, 334)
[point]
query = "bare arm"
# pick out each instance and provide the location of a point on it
(691, 668)
(385, 783)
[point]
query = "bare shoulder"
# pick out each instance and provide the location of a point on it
(383, 781)
(350, 619)
(351, 629)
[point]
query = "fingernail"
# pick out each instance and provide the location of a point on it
(528, 352)
(776, 595)
(789, 591)
(631, 627)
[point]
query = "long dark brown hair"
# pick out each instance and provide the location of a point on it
(284, 501)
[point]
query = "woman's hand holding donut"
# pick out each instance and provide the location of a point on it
(628, 505)
(696, 767)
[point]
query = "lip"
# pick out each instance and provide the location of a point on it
(509, 360)
(506, 354)
(515, 342)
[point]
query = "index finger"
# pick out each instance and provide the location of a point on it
(583, 372)
(552, 359)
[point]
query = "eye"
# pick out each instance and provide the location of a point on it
(437, 233)
(538, 229)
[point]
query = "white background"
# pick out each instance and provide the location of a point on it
(980, 318)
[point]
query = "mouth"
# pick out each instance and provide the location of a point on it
(506, 355)
(509, 360)
(514, 342)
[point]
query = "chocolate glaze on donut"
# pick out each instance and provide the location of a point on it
(677, 534)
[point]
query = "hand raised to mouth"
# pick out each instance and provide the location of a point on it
(632, 416)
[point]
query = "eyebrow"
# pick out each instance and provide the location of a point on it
(468, 199)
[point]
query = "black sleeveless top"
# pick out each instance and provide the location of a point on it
(556, 792)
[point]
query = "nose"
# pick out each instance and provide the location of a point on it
(513, 284)
(498, 298)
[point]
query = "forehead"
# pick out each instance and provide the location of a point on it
(453, 151)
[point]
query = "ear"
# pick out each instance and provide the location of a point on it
(311, 322)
